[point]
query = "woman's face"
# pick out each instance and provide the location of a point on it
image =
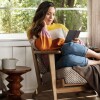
(50, 15)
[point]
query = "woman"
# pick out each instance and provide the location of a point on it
(46, 34)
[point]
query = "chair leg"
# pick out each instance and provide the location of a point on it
(53, 75)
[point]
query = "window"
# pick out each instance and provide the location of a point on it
(73, 14)
(16, 15)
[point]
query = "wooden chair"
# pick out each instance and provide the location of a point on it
(58, 85)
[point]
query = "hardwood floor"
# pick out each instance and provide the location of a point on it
(69, 96)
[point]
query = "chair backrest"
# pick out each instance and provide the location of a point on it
(42, 66)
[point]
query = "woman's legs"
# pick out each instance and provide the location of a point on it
(93, 62)
(74, 48)
(79, 50)
(91, 53)
(82, 51)
(71, 60)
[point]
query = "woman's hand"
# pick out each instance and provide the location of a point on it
(76, 40)
(45, 25)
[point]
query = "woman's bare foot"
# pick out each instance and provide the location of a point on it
(93, 62)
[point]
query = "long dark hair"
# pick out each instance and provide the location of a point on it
(40, 14)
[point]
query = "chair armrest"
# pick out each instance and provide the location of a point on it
(47, 52)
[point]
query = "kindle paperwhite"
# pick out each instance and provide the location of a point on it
(72, 34)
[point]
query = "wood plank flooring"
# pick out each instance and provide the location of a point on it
(69, 96)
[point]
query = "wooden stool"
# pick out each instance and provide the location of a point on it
(14, 78)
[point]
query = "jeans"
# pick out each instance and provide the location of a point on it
(73, 54)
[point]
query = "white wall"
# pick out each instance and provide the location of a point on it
(20, 50)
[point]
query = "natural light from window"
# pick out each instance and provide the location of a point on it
(16, 16)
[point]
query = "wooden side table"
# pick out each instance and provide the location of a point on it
(14, 78)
